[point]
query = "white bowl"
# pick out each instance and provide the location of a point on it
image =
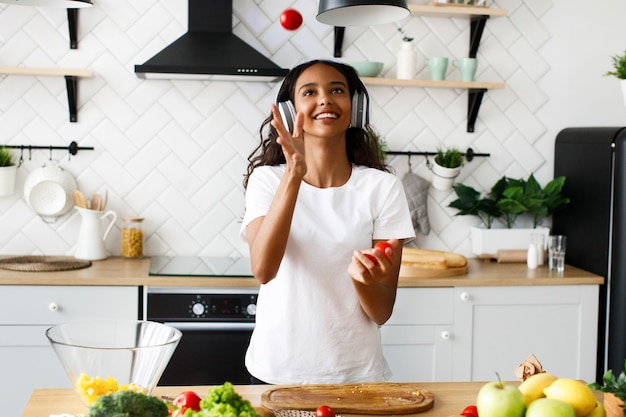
(49, 190)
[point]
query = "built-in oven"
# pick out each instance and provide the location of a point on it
(216, 322)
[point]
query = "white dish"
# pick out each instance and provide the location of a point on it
(49, 191)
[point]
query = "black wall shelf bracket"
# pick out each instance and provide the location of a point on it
(474, 99)
(477, 26)
(339, 32)
(72, 22)
(72, 86)
(469, 154)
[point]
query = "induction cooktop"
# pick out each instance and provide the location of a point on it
(203, 266)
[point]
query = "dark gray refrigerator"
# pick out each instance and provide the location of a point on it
(593, 160)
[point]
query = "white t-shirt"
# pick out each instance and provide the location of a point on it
(310, 327)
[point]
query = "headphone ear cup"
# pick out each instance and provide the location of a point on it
(359, 117)
(288, 114)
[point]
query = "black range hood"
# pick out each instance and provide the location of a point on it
(210, 51)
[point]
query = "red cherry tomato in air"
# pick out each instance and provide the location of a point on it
(185, 400)
(290, 19)
(470, 411)
(324, 411)
(382, 246)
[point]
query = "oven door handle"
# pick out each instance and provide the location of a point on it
(211, 326)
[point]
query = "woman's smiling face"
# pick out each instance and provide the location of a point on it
(322, 95)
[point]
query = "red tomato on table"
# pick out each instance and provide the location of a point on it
(290, 19)
(185, 400)
(324, 411)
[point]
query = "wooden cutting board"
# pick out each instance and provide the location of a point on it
(367, 398)
(413, 270)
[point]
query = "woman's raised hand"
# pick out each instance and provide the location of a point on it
(291, 142)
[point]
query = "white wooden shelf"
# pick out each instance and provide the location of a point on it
(432, 84)
(455, 11)
(71, 80)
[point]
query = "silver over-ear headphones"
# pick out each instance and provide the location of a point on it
(359, 117)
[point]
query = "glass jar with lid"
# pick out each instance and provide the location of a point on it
(132, 237)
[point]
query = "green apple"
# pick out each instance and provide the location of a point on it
(547, 407)
(497, 399)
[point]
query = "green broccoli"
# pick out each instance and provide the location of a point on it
(223, 401)
(128, 404)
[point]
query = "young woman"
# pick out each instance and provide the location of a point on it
(317, 199)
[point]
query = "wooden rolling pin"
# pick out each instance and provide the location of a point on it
(512, 256)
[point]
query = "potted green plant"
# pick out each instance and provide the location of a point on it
(619, 71)
(446, 167)
(614, 389)
(8, 170)
(507, 200)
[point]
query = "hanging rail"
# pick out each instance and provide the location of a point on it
(72, 148)
(469, 154)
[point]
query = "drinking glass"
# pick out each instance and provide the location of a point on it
(556, 253)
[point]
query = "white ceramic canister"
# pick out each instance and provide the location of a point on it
(406, 68)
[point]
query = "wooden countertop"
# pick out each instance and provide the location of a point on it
(134, 272)
(450, 399)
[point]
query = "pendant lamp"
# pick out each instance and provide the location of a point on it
(361, 12)
(65, 4)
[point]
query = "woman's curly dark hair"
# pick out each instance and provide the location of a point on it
(362, 145)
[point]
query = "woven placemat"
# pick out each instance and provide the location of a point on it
(41, 263)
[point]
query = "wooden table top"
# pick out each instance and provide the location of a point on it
(450, 399)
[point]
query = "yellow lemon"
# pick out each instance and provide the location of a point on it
(575, 393)
(599, 411)
(533, 386)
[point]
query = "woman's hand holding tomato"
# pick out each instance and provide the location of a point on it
(379, 264)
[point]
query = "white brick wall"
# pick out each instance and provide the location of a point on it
(174, 151)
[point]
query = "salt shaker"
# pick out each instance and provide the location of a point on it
(531, 258)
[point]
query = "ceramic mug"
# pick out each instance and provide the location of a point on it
(467, 66)
(438, 66)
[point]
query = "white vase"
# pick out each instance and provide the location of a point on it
(623, 84)
(443, 177)
(7, 180)
(406, 68)
(490, 241)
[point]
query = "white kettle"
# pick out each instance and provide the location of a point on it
(92, 234)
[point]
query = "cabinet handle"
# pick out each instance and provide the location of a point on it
(53, 306)
(465, 296)
(445, 335)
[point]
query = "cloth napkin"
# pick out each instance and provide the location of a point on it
(416, 190)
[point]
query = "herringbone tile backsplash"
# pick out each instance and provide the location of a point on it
(174, 152)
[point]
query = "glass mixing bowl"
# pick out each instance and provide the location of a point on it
(105, 356)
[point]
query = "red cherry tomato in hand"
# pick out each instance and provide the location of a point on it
(470, 411)
(324, 411)
(290, 19)
(185, 400)
(382, 246)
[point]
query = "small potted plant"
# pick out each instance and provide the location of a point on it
(619, 71)
(614, 389)
(446, 167)
(8, 170)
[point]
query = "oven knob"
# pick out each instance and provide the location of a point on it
(251, 309)
(198, 309)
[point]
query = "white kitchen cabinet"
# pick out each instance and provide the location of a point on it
(27, 360)
(469, 333)
(417, 339)
(498, 327)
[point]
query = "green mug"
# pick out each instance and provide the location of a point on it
(467, 66)
(438, 66)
